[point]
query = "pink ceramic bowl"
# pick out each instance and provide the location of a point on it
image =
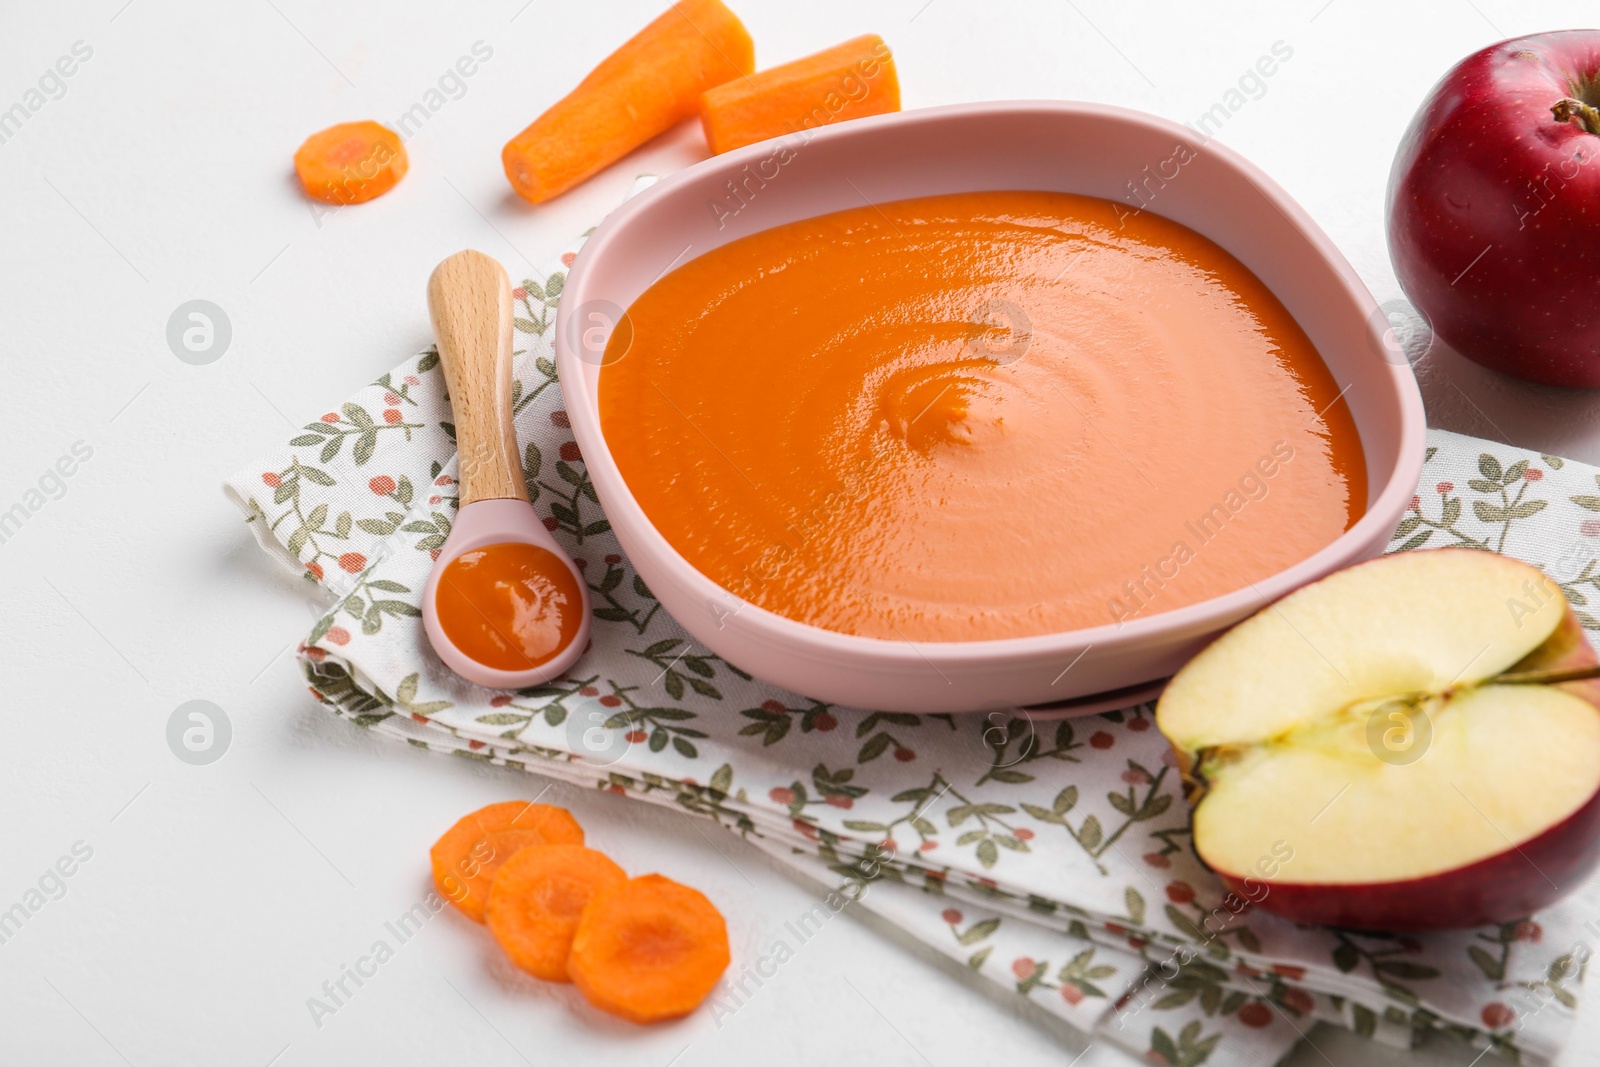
(1047, 145)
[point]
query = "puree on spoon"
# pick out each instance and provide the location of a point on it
(977, 416)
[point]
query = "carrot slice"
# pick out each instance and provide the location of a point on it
(648, 949)
(470, 854)
(351, 163)
(537, 898)
(651, 83)
(848, 81)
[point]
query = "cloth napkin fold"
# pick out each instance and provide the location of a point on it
(1050, 857)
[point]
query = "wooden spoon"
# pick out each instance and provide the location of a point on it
(469, 298)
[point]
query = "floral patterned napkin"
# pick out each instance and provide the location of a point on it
(1052, 858)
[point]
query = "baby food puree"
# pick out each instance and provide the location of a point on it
(978, 416)
(511, 606)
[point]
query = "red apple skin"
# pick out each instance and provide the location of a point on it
(1565, 649)
(1500, 889)
(1493, 226)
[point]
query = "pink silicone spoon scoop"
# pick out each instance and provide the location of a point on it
(469, 298)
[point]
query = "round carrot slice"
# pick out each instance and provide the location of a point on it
(351, 163)
(537, 898)
(467, 857)
(648, 949)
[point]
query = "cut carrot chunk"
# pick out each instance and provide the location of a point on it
(351, 163)
(651, 83)
(648, 949)
(848, 81)
(470, 854)
(537, 898)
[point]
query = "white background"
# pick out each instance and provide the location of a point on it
(219, 898)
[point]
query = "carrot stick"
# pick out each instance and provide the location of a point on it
(648, 949)
(350, 163)
(651, 83)
(537, 898)
(848, 81)
(467, 857)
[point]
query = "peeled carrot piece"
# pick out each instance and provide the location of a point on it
(537, 898)
(651, 83)
(648, 949)
(848, 81)
(470, 854)
(351, 163)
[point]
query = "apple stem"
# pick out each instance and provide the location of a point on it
(1569, 110)
(1575, 674)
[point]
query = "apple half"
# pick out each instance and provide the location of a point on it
(1412, 743)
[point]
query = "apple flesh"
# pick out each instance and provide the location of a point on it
(1409, 744)
(1491, 206)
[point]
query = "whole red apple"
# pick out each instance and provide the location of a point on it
(1494, 208)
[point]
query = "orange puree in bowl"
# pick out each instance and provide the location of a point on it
(511, 606)
(978, 416)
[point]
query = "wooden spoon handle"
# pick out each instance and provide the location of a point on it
(469, 298)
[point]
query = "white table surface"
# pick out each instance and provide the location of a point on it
(219, 898)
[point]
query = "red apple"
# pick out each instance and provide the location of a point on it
(1409, 744)
(1494, 208)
